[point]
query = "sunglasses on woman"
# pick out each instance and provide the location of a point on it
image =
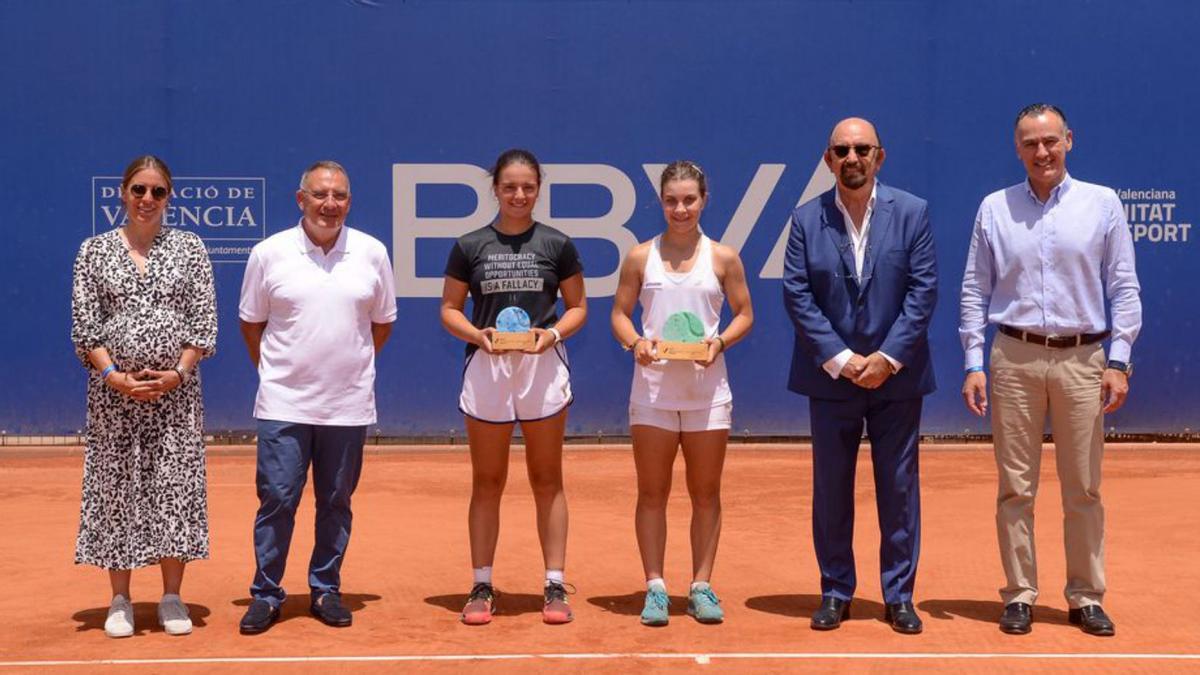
(158, 192)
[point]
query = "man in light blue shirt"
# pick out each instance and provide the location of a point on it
(1045, 256)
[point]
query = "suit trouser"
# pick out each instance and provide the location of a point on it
(893, 429)
(1028, 380)
(285, 450)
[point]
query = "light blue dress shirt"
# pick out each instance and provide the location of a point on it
(1048, 267)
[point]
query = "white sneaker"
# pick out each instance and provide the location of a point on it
(173, 616)
(119, 623)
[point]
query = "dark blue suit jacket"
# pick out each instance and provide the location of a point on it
(887, 310)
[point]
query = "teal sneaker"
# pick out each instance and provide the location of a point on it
(655, 611)
(704, 606)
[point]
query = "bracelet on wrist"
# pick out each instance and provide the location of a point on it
(632, 345)
(182, 372)
(108, 370)
(557, 335)
(722, 341)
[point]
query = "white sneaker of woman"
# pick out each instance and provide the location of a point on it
(119, 623)
(173, 615)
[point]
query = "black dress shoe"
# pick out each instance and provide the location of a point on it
(1092, 620)
(259, 617)
(903, 618)
(329, 609)
(1017, 618)
(830, 614)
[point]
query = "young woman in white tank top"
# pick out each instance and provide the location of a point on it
(680, 404)
(681, 385)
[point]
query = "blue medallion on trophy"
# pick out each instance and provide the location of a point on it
(513, 330)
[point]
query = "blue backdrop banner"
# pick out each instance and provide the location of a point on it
(415, 98)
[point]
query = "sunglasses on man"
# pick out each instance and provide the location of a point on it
(842, 151)
(158, 192)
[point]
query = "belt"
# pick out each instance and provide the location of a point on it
(1053, 341)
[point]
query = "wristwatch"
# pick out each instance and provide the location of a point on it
(1122, 366)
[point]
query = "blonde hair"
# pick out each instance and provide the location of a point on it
(146, 162)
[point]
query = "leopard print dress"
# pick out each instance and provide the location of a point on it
(144, 485)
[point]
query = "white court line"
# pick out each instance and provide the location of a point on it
(702, 658)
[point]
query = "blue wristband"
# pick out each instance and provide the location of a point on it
(108, 370)
(974, 369)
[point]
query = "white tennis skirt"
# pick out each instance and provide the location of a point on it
(515, 386)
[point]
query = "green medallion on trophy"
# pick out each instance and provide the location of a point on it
(683, 338)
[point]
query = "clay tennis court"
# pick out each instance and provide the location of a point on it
(407, 572)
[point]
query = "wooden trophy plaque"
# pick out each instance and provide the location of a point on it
(506, 341)
(513, 331)
(682, 351)
(683, 338)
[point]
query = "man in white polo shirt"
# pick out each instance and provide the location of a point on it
(318, 302)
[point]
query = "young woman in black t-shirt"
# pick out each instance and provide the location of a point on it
(515, 262)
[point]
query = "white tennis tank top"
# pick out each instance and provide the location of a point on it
(680, 385)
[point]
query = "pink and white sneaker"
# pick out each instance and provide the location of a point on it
(481, 604)
(556, 610)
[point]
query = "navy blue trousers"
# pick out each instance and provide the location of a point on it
(893, 430)
(285, 451)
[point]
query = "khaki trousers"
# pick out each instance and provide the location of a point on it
(1027, 381)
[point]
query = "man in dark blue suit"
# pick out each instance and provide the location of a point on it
(860, 284)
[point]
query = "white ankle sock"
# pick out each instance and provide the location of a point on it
(554, 575)
(656, 583)
(483, 575)
(699, 585)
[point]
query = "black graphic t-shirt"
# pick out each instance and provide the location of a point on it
(521, 270)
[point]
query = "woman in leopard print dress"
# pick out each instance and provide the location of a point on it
(143, 315)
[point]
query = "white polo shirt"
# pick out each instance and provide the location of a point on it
(317, 357)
